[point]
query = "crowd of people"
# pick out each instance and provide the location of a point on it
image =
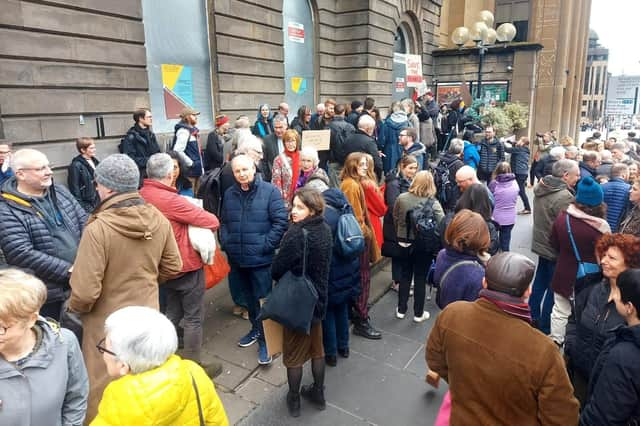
(112, 257)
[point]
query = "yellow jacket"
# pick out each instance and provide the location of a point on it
(162, 396)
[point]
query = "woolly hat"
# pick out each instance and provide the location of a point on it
(221, 120)
(355, 105)
(510, 273)
(118, 172)
(589, 192)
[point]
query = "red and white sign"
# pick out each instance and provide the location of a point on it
(414, 70)
(399, 84)
(295, 32)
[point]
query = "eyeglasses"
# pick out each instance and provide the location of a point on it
(102, 349)
(37, 169)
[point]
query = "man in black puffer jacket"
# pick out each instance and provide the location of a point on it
(140, 142)
(41, 226)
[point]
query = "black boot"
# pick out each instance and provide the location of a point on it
(331, 360)
(365, 329)
(315, 395)
(293, 404)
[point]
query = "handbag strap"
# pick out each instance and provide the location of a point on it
(454, 266)
(195, 388)
(305, 233)
(573, 242)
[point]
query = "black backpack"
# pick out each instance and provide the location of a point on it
(423, 222)
(445, 183)
(210, 192)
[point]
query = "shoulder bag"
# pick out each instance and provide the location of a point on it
(587, 272)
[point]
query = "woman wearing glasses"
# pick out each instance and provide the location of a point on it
(43, 380)
(152, 385)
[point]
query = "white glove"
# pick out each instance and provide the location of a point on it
(204, 242)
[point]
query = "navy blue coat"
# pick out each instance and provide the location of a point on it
(519, 159)
(491, 153)
(27, 242)
(616, 195)
(615, 382)
(252, 223)
(344, 274)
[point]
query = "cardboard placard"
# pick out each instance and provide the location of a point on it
(273, 334)
(317, 139)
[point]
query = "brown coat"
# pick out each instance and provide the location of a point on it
(500, 370)
(126, 248)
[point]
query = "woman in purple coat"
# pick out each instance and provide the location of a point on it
(505, 191)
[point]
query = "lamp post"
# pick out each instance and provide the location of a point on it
(484, 36)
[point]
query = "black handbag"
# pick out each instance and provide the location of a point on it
(293, 299)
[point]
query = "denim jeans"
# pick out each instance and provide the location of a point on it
(505, 237)
(541, 299)
(335, 327)
(255, 284)
(185, 302)
(237, 292)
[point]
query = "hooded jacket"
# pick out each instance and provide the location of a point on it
(26, 238)
(552, 196)
(505, 194)
(51, 387)
(615, 382)
(417, 150)
(162, 396)
(127, 248)
(388, 140)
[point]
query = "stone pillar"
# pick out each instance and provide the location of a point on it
(571, 10)
(581, 64)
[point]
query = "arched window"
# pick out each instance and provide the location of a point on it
(299, 54)
(404, 42)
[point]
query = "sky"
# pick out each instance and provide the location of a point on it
(616, 22)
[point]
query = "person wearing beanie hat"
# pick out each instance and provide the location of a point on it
(493, 338)
(117, 173)
(213, 156)
(586, 220)
(356, 110)
(126, 249)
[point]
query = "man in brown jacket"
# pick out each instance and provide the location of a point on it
(126, 248)
(500, 370)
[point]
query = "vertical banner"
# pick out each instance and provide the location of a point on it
(413, 64)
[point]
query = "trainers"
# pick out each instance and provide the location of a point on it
(263, 354)
(249, 339)
(237, 310)
(399, 315)
(425, 316)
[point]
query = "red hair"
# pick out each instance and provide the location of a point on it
(627, 244)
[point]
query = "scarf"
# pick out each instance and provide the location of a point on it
(596, 223)
(513, 306)
(304, 177)
(294, 156)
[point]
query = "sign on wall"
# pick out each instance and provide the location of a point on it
(177, 87)
(623, 95)
(296, 32)
(413, 65)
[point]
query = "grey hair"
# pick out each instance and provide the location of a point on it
(281, 119)
(619, 170)
(590, 156)
(146, 345)
(556, 152)
(366, 122)
(605, 155)
(23, 158)
(456, 146)
(408, 105)
(243, 122)
(562, 167)
(248, 141)
(312, 153)
(159, 166)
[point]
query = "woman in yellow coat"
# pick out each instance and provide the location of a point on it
(153, 386)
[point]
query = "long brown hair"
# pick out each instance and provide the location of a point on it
(350, 169)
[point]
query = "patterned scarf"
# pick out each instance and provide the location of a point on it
(511, 305)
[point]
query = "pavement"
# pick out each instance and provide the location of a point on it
(381, 383)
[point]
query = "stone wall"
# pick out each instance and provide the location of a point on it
(66, 59)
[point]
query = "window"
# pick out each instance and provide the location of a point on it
(584, 103)
(586, 80)
(597, 88)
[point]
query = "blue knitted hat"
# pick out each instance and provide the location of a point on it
(589, 192)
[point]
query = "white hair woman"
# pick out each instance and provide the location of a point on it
(311, 176)
(152, 385)
(43, 379)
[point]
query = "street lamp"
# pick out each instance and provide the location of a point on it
(484, 36)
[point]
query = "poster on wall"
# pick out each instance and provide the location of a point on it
(399, 85)
(413, 65)
(495, 91)
(295, 32)
(177, 88)
(449, 92)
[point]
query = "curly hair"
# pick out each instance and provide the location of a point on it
(627, 244)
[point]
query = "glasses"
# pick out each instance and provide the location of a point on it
(100, 347)
(37, 169)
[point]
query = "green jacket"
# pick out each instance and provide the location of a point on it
(552, 196)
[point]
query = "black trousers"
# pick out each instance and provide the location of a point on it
(415, 267)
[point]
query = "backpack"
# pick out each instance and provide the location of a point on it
(444, 184)
(209, 191)
(121, 146)
(423, 222)
(348, 241)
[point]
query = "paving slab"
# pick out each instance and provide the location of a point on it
(255, 390)
(236, 407)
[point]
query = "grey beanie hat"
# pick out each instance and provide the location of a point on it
(118, 172)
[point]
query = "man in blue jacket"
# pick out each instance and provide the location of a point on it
(254, 220)
(616, 194)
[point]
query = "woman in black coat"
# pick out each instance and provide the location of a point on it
(298, 348)
(80, 178)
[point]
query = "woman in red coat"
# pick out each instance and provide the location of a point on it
(376, 207)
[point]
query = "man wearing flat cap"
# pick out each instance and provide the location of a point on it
(126, 248)
(187, 144)
(499, 368)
